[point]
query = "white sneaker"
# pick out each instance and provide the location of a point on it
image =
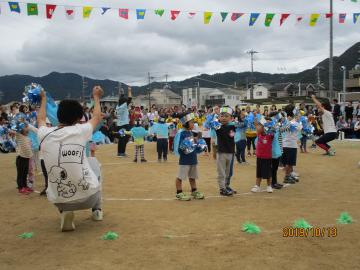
(269, 189)
(295, 174)
(97, 215)
(67, 221)
(255, 189)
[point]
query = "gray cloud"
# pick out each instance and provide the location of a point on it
(110, 47)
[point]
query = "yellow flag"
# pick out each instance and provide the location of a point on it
(207, 17)
(313, 19)
(87, 12)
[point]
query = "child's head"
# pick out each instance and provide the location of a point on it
(327, 106)
(289, 110)
(225, 115)
(189, 125)
(260, 128)
(70, 112)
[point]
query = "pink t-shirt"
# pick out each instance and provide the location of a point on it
(264, 146)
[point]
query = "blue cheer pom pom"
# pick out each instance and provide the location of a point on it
(188, 145)
(32, 94)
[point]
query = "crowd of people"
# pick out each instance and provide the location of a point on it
(66, 152)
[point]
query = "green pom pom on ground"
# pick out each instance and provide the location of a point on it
(26, 235)
(110, 236)
(302, 223)
(251, 228)
(344, 218)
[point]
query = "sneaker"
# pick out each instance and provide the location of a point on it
(30, 190)
(183, 197)
(43, 193)
(197, 195)
(143, 160)
(231, 190)
(67, 221)
(226, 192)
(331, 153)
(24, 191)
(255, 189)
(97, 215)
(277, 186)
(135, 160)
(289, 180)
(269, 189)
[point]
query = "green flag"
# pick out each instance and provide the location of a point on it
(269, 18)
(159, 12)
(32, 9)
(223, 16)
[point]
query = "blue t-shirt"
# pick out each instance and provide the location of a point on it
(186, 159)
(161, 130)
(122, 114)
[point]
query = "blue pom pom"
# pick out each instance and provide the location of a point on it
(188, 145)
(202, 145)
(32, 93)
(122, 132)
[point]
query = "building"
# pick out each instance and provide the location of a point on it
(109, 101)
(203, 97)
(160, 97)
(282, 90)
(353, 83)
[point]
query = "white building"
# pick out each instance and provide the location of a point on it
(160, 97)
(202, 97)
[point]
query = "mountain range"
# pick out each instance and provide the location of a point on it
(69, 85)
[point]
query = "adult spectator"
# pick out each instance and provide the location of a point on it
(336, 110)
(349, 110)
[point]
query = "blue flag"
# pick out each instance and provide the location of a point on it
(356, 17)
(14, 7)
(140, 14)
(253, 18)
(104, 9)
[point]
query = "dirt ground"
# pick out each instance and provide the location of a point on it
(158, 232)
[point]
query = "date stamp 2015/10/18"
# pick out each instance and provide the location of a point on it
(310, 232)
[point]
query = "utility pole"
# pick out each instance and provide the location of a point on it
(343, 69)
(252, 52)
(331, 63)
(149, 88)
(119, 89)
(84, 86)
(198, 95)
(318, 79)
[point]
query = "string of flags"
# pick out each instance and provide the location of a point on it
(32, 9)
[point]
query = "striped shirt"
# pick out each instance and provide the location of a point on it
(23, 146)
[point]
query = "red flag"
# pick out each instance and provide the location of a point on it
(50, 10)
(299, 18)
(174, 14)
(236, 16)
(328, 15)
(124, 13)
(284, 16)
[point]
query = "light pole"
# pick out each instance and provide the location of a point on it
(343, 69)
(331, 63)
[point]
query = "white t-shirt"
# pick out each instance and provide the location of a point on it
(328, 122)
(290, 138)
(70, 175)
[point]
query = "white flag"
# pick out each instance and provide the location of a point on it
(70, 13)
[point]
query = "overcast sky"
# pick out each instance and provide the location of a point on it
(106, 46)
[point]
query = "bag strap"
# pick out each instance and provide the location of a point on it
(48, 135)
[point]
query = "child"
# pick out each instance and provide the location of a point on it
(172, 134)
(187, 162)
(276, 155)
(263, 157)
(24, 152)
(138, 133)
(240, 140)
(161, 129)
(225, 151)
(290, 137)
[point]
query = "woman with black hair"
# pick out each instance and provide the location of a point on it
(122, 122)
(329, 128)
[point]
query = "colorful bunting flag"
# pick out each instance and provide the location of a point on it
(140, 14)
(14, 7)
(356, 17)
(283, 18)
(174, 14)
(207, 17)
(223, 16)
(253, 18)
(124, 13)
(236, 16)
(159, 12)
(269, 18)
(104, 9)
(70, 13)
(191, 15)
(299, 19)
(313, 19)
(86, 12)
(342, 17)
(32, 9)
(50, 9)
(328, 15)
